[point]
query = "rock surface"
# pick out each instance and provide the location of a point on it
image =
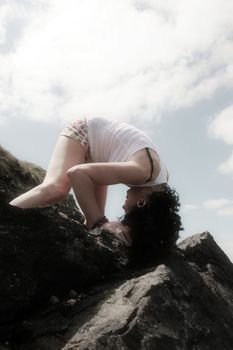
(65, 288)
(45, 252)
(185, 302)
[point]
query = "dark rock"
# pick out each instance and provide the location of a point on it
(170, 306)
(81, 295)
(45, 252)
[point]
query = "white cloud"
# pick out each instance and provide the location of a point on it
(3, 9)
(188, 207)
(226, 211)
(217, 203)
(119, 59)
(221, 126)
(223, 206)
(227, 166)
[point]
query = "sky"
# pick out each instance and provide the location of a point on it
(165, 67)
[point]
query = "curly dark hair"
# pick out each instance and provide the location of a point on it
(154, 227)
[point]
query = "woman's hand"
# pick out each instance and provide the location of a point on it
(120, 231)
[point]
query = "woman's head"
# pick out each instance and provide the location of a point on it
(152, 215)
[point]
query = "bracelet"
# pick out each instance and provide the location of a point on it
(99, 222)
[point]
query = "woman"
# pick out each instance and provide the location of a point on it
(92, 153)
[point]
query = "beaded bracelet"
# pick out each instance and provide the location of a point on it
(100, 222)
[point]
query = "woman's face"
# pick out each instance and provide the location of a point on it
(133, 195)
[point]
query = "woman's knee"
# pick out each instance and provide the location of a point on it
(72, 172)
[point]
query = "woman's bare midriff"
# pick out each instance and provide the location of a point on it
(141, 158)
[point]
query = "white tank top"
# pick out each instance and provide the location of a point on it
(115, 141)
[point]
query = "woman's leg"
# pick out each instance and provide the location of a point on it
(56, 184)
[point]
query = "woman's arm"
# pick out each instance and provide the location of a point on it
(84, 177)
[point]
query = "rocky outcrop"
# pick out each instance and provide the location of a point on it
(185, 302)
(45, 252)
(65, 288)
(182, 303)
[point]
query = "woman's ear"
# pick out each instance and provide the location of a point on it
(141, 203)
